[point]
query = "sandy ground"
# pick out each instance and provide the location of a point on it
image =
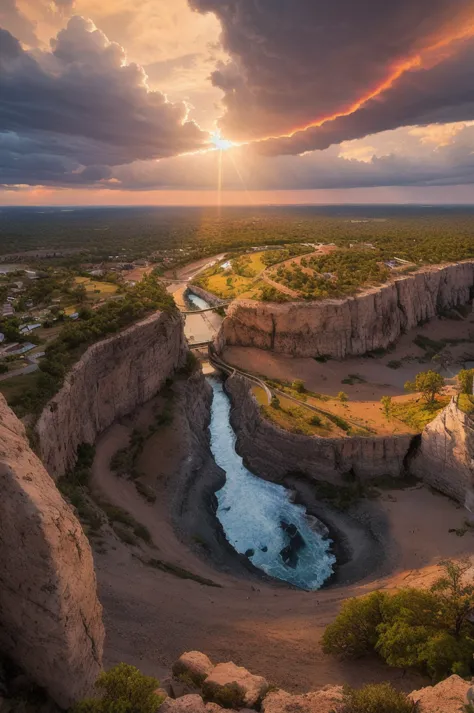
(379, 379)
(151, 616)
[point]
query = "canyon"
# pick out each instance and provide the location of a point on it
(45, 557)
(371, 320)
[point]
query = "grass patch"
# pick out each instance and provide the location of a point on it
(120, 518)
(340, 497)
(417, 413)
(14, 387)
(295, 419)
(394, 364)
(177, 571)
(354, 379)
(431, 346)
(466, 403)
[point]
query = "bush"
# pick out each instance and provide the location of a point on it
(123, 689)
(354, 632)
(376, 698)
(466, 379)
(298, 385)
(343, 397)
(429, 630)
(386, 402)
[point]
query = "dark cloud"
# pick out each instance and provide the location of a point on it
(82, 105)
(298, 62)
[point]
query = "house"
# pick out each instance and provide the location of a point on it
(2, 337)
(29, 328)
(74, 315)
(7, 310)
(31, 274)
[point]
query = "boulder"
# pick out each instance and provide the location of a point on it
(232, 685)
(186, 704)
(194, 664)
(448, 696)
(323, 701)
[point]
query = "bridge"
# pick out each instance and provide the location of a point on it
(224, 303)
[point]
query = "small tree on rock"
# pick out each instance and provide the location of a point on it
(428, 383)
(466, 379)
(343, 397)
(298, 385)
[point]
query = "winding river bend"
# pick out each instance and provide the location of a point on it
(251, 511)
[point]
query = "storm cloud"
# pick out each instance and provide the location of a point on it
(81, 104)
(305, 62)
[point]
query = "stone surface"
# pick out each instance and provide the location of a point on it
(445, 458)
(111, 379)
(186, 704)
(273, 452)
(323, 701)
(50, 617)
(355, 325)
(446, 697)
(194, 664)
(250, 688)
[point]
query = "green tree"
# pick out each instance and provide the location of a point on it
(386, 402)
(123, 689)
(455, 593)
(354, 631)
(275, 401)
(428, 383)
(343, 397)
(466, 379)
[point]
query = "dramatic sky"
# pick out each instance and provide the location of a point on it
(236, 101)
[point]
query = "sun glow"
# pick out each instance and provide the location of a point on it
(220, 143)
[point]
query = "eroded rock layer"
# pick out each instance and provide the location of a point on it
(339, 328)
(111, 379)
(50, 617)
(445, 457)
(273, 452)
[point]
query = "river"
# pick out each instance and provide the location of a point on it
(251, 511)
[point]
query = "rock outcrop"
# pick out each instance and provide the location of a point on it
(273, 452)
(352, 326)
(324, 701)
(445, 457)
(111, 379)
(50, 617)
(229, 683)
(449, 696)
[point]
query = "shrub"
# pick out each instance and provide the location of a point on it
(426, 629)
(394, 364)
(275, 402)
(315, 420)
(343, 397)
(354, 632)
(376, 698)
(298, 385)
(123, 689)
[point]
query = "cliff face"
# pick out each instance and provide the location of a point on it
(355, 325)
(110, 380)
(50, 617)
(445, 458)
(272, 452)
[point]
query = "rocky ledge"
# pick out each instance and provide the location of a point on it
(111, 379)
(273, 452)
(445, 457)
(50, 616)
(199, 686)
(370, 320)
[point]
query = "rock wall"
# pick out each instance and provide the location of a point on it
(445, 457)
(272, 452)
(110, 380)
(50, 617)
(205, 295)
(371, 320)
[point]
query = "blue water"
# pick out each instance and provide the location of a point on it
(250, 510)
(198, 302)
